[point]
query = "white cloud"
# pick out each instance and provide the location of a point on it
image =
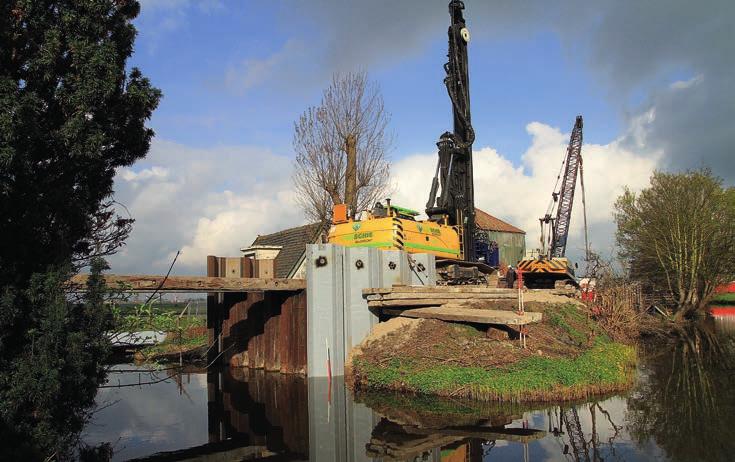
(684, 84)
(202, 202)
(240, 219)
(145, 174)
(520, 194)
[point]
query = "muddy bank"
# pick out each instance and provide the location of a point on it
(567, 356)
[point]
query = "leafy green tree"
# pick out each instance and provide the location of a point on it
(679, 235)
(70, 115)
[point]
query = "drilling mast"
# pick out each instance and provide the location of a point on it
(456, 202)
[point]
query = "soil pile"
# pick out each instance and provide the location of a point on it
(567, 350)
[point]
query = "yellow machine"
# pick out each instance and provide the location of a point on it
(391, 227)
(544, 272)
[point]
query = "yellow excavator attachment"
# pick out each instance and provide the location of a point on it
(396, 228)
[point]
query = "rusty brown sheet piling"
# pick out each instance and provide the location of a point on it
(263, 329)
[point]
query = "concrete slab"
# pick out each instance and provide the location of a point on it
(460, 313)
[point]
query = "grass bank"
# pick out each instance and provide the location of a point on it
(567, 357)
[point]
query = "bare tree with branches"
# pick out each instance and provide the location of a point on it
(341, 148)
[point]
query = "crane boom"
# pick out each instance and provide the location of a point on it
(456, 202)
(551, 267)
(566, 193)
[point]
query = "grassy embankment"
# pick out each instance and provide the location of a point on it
(568, 357)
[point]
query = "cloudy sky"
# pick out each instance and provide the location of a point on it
(652, 80)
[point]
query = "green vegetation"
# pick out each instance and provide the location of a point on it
(182, 341)
(605, 367)
(71, 114)
(152, 317)
(678, 235)
(724, 299)
(558, 318)
(183, 333)
(129, 308)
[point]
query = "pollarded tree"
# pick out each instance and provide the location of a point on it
(341, 148)
(70, 115)
(679, 234)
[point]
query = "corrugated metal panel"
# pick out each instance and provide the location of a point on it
(512, 246)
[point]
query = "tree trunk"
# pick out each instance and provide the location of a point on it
(351, 174)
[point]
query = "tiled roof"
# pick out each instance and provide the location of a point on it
(293, 242)
(485, 221)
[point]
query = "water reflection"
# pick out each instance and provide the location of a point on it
(264, 410)
(686, 401)
(251, 414)
(723, 324)
(679, 410)
(141, 412)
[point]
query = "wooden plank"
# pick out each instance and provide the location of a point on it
(464, 314)
(437, 302)
(418, 302)
(437, 289)
(516, 435)
(149, 283)
(447, 295)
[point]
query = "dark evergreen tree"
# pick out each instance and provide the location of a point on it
(70, 115)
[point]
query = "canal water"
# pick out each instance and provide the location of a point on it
(681, 409)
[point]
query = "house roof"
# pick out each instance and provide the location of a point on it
(293, 245)
(485, 221)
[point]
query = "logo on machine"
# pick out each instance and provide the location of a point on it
(419, 227)
(363, 237)
(356, 225)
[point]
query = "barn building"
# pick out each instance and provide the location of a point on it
(511, 241)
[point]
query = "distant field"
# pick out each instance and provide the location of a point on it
(727, 298)
(165, 307)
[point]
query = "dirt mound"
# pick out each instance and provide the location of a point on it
(396, 332)
(398, 328)
(568, 356)
(564, 332)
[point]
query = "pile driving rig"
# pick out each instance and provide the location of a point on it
(449, 232)
(551, 268)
